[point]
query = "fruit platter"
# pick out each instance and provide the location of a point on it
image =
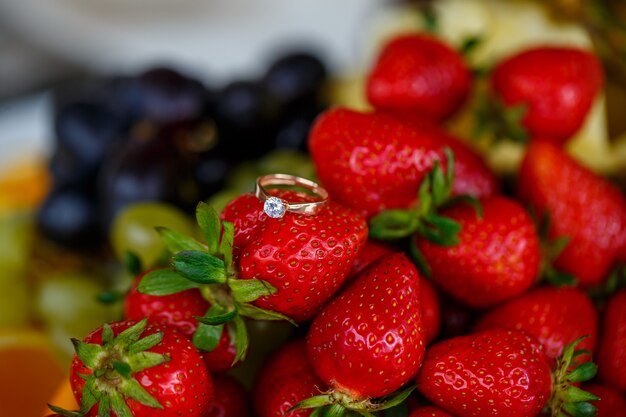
(438, 233)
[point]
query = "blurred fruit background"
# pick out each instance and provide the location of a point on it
(118, 117)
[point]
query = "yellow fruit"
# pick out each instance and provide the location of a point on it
(23, 185)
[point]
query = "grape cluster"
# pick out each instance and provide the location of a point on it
(165, 136)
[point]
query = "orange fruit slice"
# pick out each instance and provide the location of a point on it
(30, 372)
(23, 185)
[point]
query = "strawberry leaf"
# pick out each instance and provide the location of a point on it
(132, 263)
(394, 224)
(584, 372)
(209, 222)
(248, 290)
(241, 339)
(580, 409)
(164, 282)
(104, 406)
(256, 313)
(144, 360)
(65, 413)
(119, 406)
(88, 353)
(132, 389)
(419, 260)
(122, 368)
(200, 267)
(217, 315)
(90, 395)
(470, 44)
(146, 343)
(400, 410)
(177, 242)
(207, 337)
(394, 399)
(226, 244)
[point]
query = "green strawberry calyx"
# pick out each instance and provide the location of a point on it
(113, 365)
(338, 404)
(210, 268)
(567, 399)
(435, 193)
(500, 121)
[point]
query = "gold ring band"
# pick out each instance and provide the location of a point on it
(277, 207)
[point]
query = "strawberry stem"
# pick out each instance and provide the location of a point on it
(568, 399)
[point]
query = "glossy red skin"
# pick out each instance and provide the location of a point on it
(419, 74)
(471, 174)
(497, 257)
(429, 411)
(491, 373)
(307, 258)
(558, 84)
(369, 341)
(431, 311)
(230, 399)
(553, 316)
(286, 379)
(582, 206)
(183, 385)
(375, 161)
(371, 252)
(177, 311)
(611, 357)
(612, 402)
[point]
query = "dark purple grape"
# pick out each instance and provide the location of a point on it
(147, 169)
(85, 132)
(296, 78)
(246, 118)
(293, 132)
(164, 96)
(69, 218)
(209, 173)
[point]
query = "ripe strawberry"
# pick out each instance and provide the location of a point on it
(230, 398)
(500, 372)
(417, 73)
(375, 161)
(556, 84)
(429, 411)
(612, 346)
(612, 402)
(369, 341)
(581, 206)
(130, 369)
(178, 311)
(286, 379)
(371, 252)
(496, 258)
(553, 316)
(306, 258)
(431, 314)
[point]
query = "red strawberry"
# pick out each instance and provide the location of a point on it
(136, 370)
(582, 207)
(430, 310)
(557, 84)
(553, 316)
(286, 379)
(500, 373)
(496, 258)
(230, 399)
(612, 402)
(417, 73)
(369, 341)
(612, 346)
(371, 252)
(375, 161)
(429, 411)
(374, 251)
(177, 311)
(306, 258)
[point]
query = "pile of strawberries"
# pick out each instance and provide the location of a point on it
(423, 289)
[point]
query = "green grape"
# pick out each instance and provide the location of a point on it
(69, 301)
(134, 230)
(219, 200)
(15, 239)
(287, 162)
(14, 299)
(243, 177)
